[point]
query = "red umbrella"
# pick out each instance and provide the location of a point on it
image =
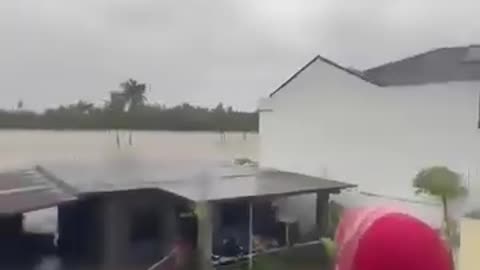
(384, 239)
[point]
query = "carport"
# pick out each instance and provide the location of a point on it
(106, 195)
(258, 185)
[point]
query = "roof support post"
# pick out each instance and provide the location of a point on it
(168, 227)
(115, 232)
(250, 235)
(204, 211)
(322, 212)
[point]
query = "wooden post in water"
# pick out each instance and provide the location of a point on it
(223, 136)
(118, 139)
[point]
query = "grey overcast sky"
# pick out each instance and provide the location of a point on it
(205, 51)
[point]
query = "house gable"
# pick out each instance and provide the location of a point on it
(357, 74)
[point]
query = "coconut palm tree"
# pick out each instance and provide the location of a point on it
(134, 94)
(443, 183)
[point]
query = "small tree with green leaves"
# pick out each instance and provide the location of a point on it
(443, 183)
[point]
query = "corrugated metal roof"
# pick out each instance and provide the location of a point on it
(263, 183)
(28, 190)
(196, 181)
(119, 174)
(435, 66)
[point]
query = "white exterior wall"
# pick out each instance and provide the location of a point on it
(329, 123)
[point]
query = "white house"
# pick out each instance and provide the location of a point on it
(377, 128)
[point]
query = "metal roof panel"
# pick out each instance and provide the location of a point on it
(27, 190)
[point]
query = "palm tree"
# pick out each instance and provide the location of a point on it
(441, 182)
(134, 94)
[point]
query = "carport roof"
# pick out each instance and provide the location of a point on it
(195, 181)
(28, 190)
(261, 183)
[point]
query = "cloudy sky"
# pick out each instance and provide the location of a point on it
(205, 51)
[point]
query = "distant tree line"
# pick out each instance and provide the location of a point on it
(127, 109)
